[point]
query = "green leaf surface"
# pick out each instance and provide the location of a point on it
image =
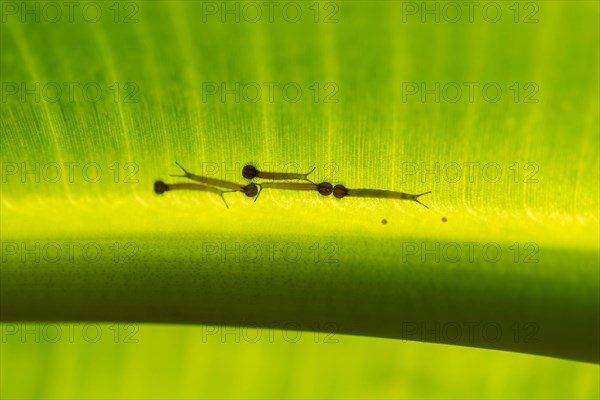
(514, 174)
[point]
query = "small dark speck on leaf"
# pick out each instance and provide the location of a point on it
(444, 219)
(384, 221)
